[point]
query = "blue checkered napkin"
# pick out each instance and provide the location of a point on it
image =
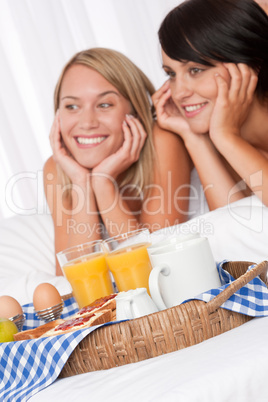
(28, 366)
(251, 299)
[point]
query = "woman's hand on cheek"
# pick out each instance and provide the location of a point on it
(168, 115)
(128, 153)
(233, 100)
(73, 170)
(56, 140)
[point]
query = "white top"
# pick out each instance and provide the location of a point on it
(197, 201)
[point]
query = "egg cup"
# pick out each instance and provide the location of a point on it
(18, 320)
(50, 313)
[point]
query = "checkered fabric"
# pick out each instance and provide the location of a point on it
(251, 299)
(28, 366)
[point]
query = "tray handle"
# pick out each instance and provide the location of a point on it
(236, 285)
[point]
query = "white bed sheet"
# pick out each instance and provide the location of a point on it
(231, 367)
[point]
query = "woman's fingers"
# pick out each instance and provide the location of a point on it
(54, 136)
(159, 93)
(138, 136)
(223, 90)
(235, 81)
(245, 73)
(252, 83)
(235, 95)
(162, 106)
(249, 80)
(243, 82)
(164, 98)
(127, 138)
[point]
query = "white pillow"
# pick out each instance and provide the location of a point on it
(27, 256)
(27, 244)
(236, 232)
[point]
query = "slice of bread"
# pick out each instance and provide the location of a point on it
(36, 332)
(104, 303)
(73, 324)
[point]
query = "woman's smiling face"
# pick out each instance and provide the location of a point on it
(194, 90)
(91, 115)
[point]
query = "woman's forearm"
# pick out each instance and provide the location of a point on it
(113, 205)
(84, 222)
(219, 185)
(250, 163)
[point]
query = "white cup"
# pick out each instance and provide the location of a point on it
(134, 303)
(182, 271)
(171, 241)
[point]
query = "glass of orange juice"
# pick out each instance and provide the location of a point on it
(86, 270)
(128, 259)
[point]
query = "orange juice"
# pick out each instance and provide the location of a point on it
(130, 266)
(89, 278)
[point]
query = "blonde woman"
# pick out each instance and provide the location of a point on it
(113, 169)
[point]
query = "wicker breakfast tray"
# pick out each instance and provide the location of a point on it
(163, 332)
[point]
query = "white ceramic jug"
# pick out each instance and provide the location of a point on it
(133, 304)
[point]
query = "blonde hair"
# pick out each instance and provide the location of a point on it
(134, 85)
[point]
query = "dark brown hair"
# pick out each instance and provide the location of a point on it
(234, 31)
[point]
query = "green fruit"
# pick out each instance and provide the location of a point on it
(7, 330)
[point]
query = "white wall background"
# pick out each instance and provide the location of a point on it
(37, 37)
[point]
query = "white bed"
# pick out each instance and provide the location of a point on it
(229, 367)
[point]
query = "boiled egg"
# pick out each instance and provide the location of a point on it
(45, 296)
(9, 307)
